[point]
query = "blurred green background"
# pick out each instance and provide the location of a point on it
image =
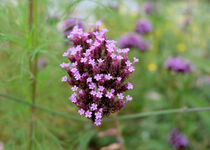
(155, 88)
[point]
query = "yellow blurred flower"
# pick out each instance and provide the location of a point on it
(152, 67)
(157, 33)
(203, 45)
(181, 47)
(195, 29)
(134, 14)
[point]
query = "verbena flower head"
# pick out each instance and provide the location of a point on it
(143, 26)
(133, 40)
(97, 73)
(179, 65)
(177, 140)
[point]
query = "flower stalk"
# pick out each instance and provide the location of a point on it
(119, 134)
(33, 66)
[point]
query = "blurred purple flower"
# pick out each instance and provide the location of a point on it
(187, 21)
(1, 145)
(99, 69)
(133, 40)
(178, 64)
(143, 26)
(177, 140)
(42, 62)
(150, 7)
(70, 23)
(109, 132)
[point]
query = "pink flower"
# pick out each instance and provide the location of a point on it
(100, 61)
(83, 60)
(97, 122)
(129, 98)
(65, 54)
(112, 90)
(108, 77)
(73, 98)
(101, 88)
(87, 53)
(74, 88)
(93, 93)
(88, 114)
(120, 96)
(77, 75)
(135, 60)
(98, 115)
(91, 86)
(93, 106)
(119, 78)
(98, 77)
(89, 41)
(89, 79)
(129, 86)
(128, 63)
(63, 65)
(99, 94)
(74, 64)
(81, 111)
(64, 79)
(109, 94)
(92, 62)
(131, 69)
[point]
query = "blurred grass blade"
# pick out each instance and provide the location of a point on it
(85, 139)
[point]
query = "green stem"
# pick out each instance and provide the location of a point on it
(160, 112)
(24, 102)
(124, 117)
(33, 66)
(119, 134)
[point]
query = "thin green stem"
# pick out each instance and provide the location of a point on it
(119, 134)
(32, 11)
(24, 102)
(124, 117)
(160, 112)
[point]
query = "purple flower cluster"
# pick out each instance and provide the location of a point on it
(177, 140)
(143, 26)
(97, 73)
(133, 40)
(178, 64)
